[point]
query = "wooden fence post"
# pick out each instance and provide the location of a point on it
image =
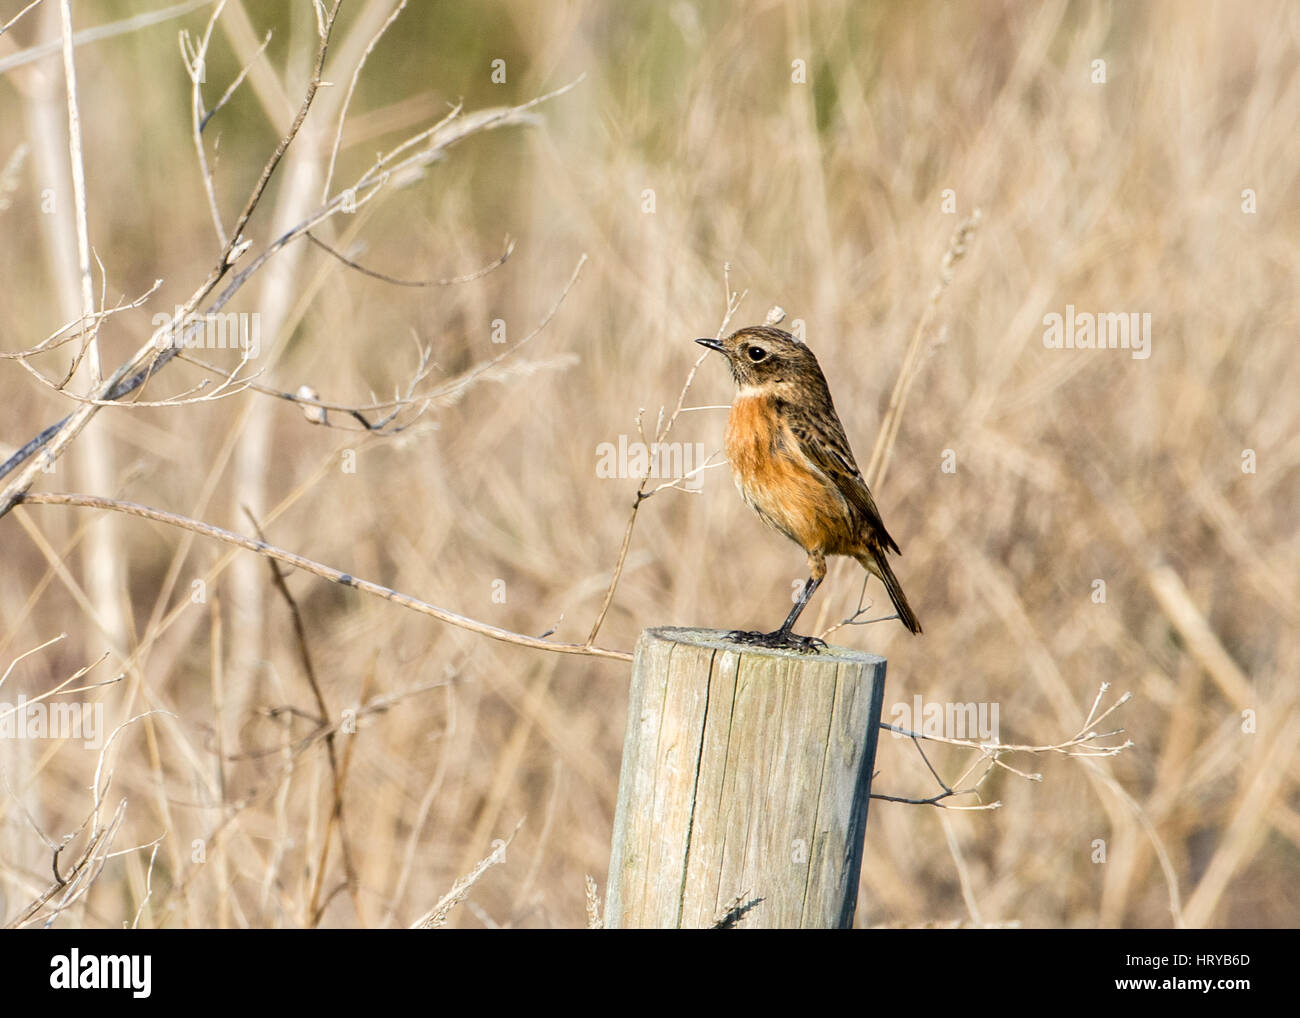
(746, 775)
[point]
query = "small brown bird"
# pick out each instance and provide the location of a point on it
(793, 466)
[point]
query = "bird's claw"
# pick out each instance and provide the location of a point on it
(779, 639)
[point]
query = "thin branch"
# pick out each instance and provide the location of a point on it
(326, 27)
(58, 338)
(196, 66)
(990, 755)
(148, 885)
(14, 20)
(72, 886)
(437, 916)
(347, 98)
(331, 749)
(230, 385)
(233, 87)
(733, 300)
(261, 791)
(445, 394)
(324, 572)
(469, 278)
(107, 31)
(155, 354)
(317, 411)
(856, 618)
(62, 686)
(129, 375)
(948, 791)
(679, 483)
(28, 653)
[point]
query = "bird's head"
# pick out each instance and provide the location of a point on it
(762, 356)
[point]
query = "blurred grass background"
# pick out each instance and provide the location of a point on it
(826, 197)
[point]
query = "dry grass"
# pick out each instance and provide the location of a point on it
(825, 198)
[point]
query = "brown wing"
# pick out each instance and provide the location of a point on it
(824, 444)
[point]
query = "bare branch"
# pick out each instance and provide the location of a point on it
(469, 278)
(347, 98)
(324, 572)
(59, 338)
(336, 813)
(238, 80)
(437, 916)
(446, 394)
(70, 887)
(733, 302)
(108, 31)
(195, 66)
(155, 354)
(990, 754)
(14, 20)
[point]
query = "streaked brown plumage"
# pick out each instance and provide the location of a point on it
(793, 465)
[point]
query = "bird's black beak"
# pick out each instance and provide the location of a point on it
(713, 344)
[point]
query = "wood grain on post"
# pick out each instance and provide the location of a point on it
(746, 775)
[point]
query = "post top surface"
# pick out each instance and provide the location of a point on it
(716, 639)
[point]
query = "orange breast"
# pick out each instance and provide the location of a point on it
(775, 480)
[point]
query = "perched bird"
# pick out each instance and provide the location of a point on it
(793, 466)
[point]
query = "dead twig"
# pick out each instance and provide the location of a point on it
(664, 427)
(437, 916)
(1082, 744)
(324, 572)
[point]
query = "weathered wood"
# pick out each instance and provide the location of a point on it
(746, 774)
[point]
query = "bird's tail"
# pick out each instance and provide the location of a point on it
(874, 561)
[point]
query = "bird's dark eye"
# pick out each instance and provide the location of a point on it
(756, 353)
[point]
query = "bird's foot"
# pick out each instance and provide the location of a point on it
(779, 639)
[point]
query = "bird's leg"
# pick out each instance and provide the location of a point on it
(804, 595)
(785, 636)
